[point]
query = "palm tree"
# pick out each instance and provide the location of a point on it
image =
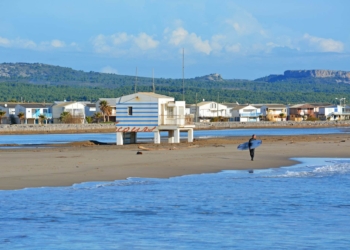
(269, 116)
(2, 113)
(42, 117)
(282, 116)
(106, 109)
(65, 117)
(20, 116)
(108, 112)
(97, 116)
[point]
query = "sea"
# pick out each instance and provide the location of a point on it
(43, 139)
(305, 206)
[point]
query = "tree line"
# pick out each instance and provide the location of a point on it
(17, 92)
(47, 83)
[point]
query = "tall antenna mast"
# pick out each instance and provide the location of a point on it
(136, 80)
(183, 74)
(153, 80)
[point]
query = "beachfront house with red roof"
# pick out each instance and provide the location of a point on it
(300, 112)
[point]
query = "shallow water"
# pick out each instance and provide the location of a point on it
(37, 139)
(306, 206)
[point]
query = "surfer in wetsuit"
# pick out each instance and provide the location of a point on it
(251, 150)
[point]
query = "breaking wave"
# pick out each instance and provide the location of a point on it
(337, 168)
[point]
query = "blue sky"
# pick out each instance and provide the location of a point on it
(237, 39)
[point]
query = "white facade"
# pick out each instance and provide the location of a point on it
(10, 110)
(76, 109)
(32, 111)
(90, 109)
(334, 112)
(150, 112)
(207, 110)
(245, 113)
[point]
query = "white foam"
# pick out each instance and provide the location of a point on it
(319, 171)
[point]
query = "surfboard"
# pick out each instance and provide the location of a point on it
(245, 146)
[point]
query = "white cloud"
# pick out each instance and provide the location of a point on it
(178, 36)
(120, 38)
(57, 43)
(100, 44)
(29, 44)
(4, 42)
(199, 44)
(323, 44)
(238, 28)
(244, 23)
(109, 70)
(26, 44)
(122, 43)
(145, 42)
(217, 41)
(181, 37)
(234, 48)
(17, 43)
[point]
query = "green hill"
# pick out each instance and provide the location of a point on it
(39, 82)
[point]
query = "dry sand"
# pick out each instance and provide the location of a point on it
(65, 165)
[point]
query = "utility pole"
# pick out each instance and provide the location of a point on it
(136, 80)
(217, 107)
(153, 81)
(196, 114)
(183, 74)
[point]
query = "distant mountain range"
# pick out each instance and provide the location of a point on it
(39, 73)
(38, 82)
(336, 75)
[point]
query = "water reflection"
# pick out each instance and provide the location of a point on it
(142, 137)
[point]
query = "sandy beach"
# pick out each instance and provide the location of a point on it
(64, 165)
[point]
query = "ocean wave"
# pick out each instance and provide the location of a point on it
(119, 183)
(319, 171)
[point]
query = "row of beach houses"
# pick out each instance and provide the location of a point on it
(155, 113)
(205, 111)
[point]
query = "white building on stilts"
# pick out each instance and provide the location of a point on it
(151, 112)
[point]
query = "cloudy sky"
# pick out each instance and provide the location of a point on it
(243, 39)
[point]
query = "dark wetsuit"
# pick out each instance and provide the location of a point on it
(251, 151)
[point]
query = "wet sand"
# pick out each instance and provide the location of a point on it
(64, 165)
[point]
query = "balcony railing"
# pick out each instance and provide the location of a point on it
(250, 114)
(47, 115)
(339, 113)
(176, 120)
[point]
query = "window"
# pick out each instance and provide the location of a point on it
(213, 105)
(181, 111)
(129, 110)
(170, 111)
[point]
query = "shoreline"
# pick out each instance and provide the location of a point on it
(65, 165)
(23, 129)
